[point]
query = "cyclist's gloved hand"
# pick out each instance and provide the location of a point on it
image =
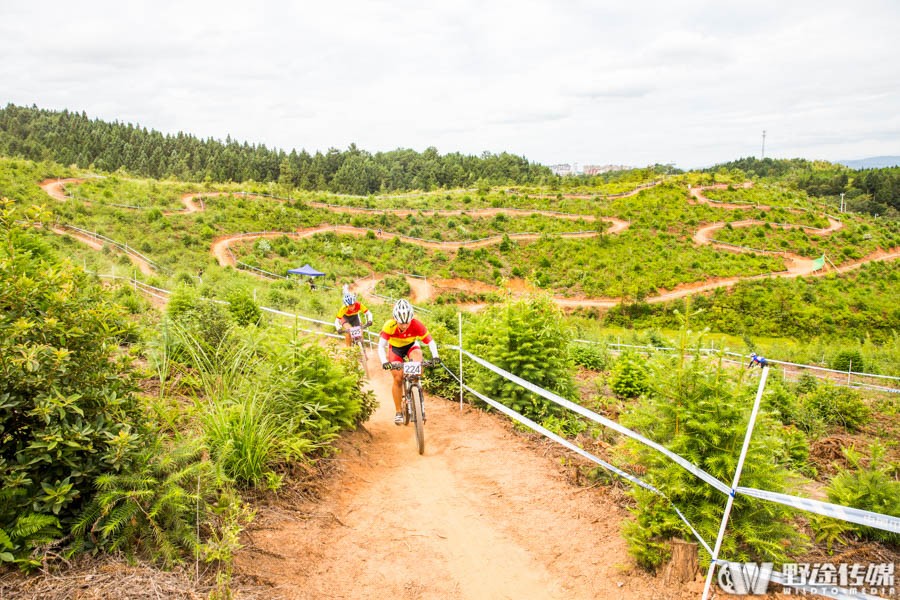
(437, 360)
(386, 366)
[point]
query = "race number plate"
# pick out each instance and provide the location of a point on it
(412, 368)
(356, 332)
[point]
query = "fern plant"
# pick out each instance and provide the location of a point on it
(28, 533)
(158, 507)
(869, 487)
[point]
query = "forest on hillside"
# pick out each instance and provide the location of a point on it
(73, 138)
(871, 191)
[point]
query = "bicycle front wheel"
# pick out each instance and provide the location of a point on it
(418, 411)
(363, 358)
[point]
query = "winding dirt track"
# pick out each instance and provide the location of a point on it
(53, 187)
(458, 522)
(796, 265)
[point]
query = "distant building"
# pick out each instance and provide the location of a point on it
(561, 169)
(598, 169)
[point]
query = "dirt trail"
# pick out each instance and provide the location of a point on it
(459, 522)
(220, 245)
(95, 244)
(420, 290)
(796, 265)
(53, 187)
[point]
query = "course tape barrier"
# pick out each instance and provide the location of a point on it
(853, 515)
(844, 513)
(861, 517)
(124, 247)
(742, 356)
(684, 463)
(581, 451)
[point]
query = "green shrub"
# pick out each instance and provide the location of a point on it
(781, 402)
(527, 337)
(796, 450)
(873, 488)
(629, 376)
(205, 319)
(847, 359)
(590, 356)
(837, 406)
(184, 279)
(243, 308)
(701, 413)
(395, 286)
(68, 410)
(317, 391)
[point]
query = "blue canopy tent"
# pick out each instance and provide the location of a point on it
(306, 271)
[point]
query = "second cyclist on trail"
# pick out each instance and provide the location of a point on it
(402, 334)
(349, 314)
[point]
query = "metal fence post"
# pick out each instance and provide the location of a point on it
(460, 363)
(737, 476)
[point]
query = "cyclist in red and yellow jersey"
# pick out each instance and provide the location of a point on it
(402, 334)
(349, 315)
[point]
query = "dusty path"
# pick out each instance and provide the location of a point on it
(633, 192)
(796, 265)
(459, 522)
(220, 245)
(95, 244)
(420, 290)
(54, 188)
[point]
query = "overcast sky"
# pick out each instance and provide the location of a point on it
(630, 82)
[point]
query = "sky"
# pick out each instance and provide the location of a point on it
(689, 82)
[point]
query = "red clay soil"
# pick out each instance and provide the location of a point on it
(461, 521)
(219, 245)
(53, 187)
(796, 265)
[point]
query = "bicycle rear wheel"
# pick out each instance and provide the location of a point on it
(416, 397)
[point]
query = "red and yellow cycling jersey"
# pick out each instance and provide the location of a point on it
(353, 309)
(398, 339)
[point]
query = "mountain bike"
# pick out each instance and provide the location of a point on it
(357, 338)
(412, 406)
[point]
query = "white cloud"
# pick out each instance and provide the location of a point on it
(693, 82)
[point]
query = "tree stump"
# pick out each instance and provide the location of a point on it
(683, 565)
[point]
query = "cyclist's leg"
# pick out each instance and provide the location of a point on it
(397, 389)
(348, 322)
(346, 326)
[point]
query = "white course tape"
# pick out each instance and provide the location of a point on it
(684, 463)
(564, 442)
(845, 513)
(292, 315)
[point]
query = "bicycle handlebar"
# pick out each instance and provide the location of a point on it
(398, 366)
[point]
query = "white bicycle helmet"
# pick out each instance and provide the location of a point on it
(403, 311)
(349, 299)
